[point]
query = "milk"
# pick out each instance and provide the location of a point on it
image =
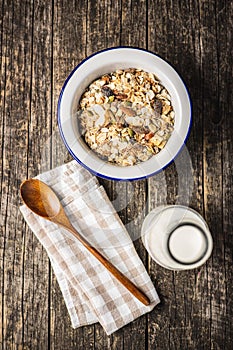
(187, 244)
(177, 237)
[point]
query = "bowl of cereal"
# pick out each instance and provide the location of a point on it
(124, 113)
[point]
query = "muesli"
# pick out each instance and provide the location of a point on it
(126, 116)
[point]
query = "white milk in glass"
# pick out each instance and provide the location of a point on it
(177, 237)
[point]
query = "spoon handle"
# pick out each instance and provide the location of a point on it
(111, 268)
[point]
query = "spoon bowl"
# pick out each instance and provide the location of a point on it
(40, 198)
(43, 201)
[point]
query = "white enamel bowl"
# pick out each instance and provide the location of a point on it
(107, 61)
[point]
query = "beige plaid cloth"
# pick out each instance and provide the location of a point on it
(90, 292)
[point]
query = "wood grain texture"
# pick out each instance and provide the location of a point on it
(195, 302)
(25, 124)
(41, 42)
(69, 48)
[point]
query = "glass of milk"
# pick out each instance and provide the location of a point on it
(177, 237)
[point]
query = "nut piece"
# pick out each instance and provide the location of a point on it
(127, 111)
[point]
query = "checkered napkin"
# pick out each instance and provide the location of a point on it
(90, 292)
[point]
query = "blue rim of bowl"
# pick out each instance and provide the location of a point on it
(63, 137)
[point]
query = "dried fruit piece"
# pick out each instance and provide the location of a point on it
(107, 91)
(149, 136)
(120, 96)
(130, 132)
(106, 78)
(111, 99)
(158, 107)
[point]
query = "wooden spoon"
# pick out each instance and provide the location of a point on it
(41, 199)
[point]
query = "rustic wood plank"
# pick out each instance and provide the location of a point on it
(217, 167)
(134, 33)
(103, 28)
(223, 17)
(194, 320)
(24, 125)
(69, 48)
(102, 15)
(134, 23)
(36, 266)
(41, 42)
(173, 327)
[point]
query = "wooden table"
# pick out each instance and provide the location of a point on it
(41, 42)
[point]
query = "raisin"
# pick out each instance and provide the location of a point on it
(107, 91)
(158, 107)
